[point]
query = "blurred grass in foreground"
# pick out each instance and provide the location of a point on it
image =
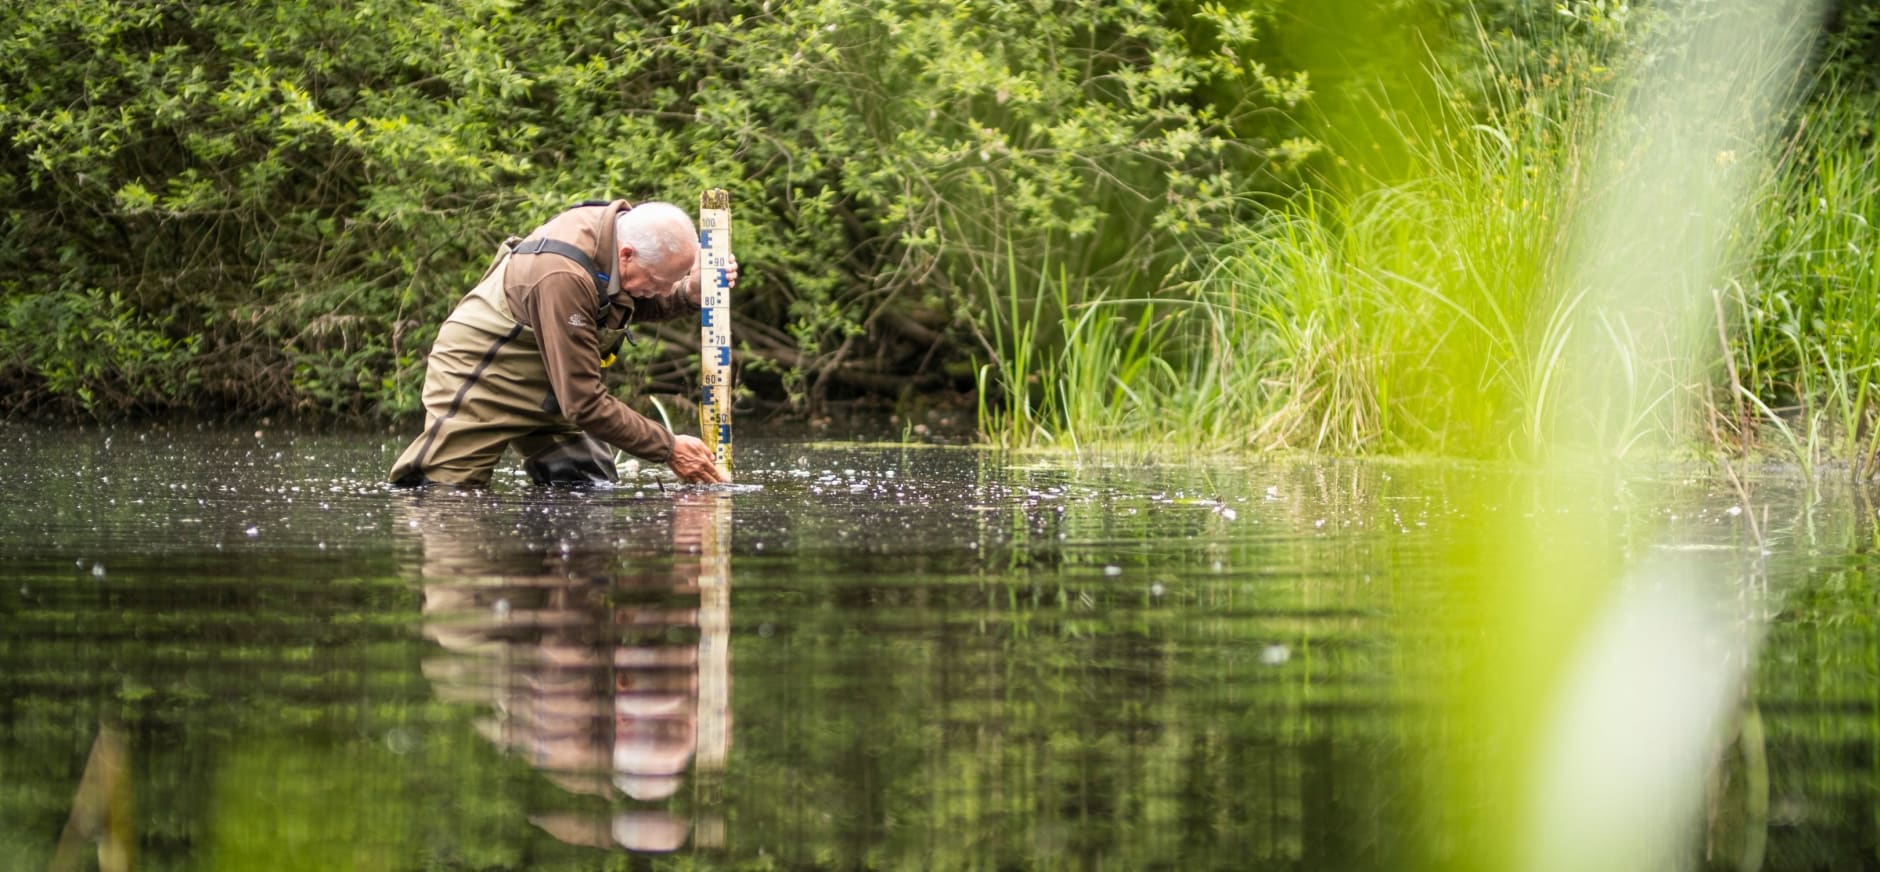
(1591, 719)
(1624, 261)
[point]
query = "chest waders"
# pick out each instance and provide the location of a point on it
(485, 387)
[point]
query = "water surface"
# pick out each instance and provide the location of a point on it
(237, 649)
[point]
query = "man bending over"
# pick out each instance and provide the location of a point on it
(519, 360)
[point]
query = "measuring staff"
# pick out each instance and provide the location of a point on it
(714, 350)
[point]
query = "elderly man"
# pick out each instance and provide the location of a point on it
(519, 359)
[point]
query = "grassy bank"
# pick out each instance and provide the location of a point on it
(1453, 308)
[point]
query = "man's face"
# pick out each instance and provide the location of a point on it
(642, 279)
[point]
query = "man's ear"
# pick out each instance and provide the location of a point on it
(626, 255)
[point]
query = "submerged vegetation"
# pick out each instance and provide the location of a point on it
(1338, 226)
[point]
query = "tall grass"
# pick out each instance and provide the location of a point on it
(1072, 367)
(1447, 311)
(1414, 317)
(1809, 342)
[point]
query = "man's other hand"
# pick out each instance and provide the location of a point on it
(693, 462)
(693, 284)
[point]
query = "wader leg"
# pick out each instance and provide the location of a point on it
(567, 457)
(466, 468)
(465, 455)
(473, 406)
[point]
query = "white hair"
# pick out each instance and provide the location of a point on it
(657, 232)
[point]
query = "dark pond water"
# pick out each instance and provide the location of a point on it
(238, 650)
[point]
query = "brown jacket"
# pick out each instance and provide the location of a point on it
(557, 298)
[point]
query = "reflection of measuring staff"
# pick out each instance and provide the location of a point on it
(701, 525)
(714, 242)
(714, 631)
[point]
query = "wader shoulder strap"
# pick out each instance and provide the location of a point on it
(556, 246)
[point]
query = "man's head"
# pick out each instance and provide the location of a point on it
(658, 246)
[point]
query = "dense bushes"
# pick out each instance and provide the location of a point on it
(284, 190)
(278, 200)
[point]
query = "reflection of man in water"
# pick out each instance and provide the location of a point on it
(595, 676)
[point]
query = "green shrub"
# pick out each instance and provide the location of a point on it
(305, 187)
(91, 351)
